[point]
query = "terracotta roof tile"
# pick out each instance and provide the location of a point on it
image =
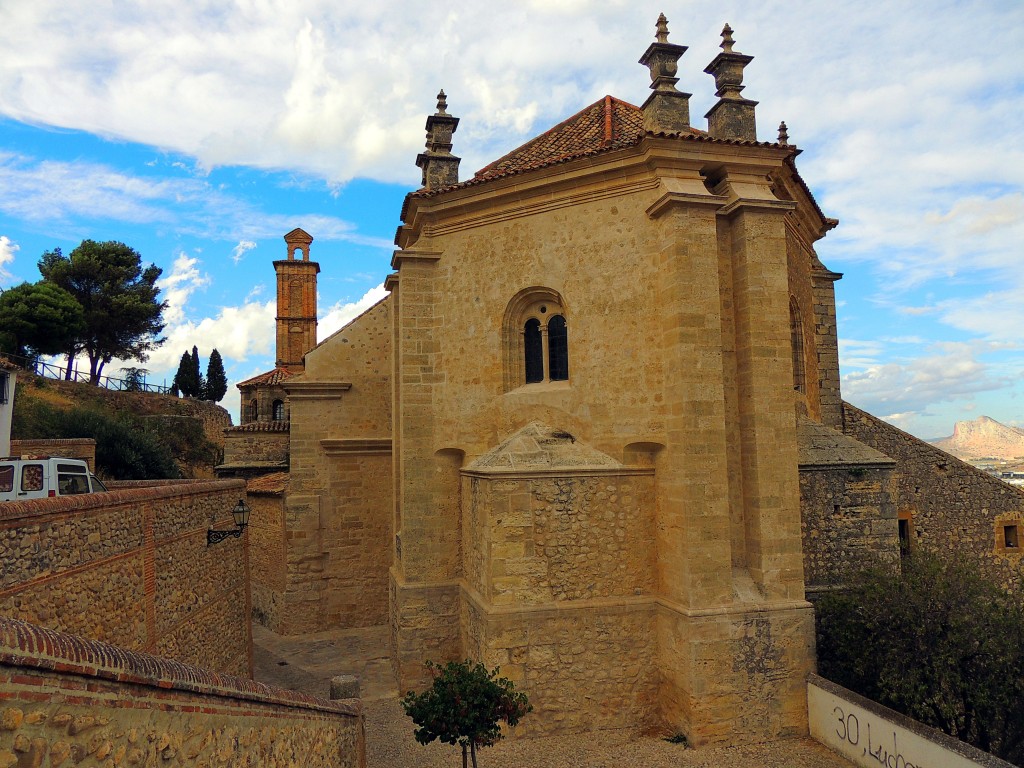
(271, 485)
(261, 426)
(271, 378)
(605, 124)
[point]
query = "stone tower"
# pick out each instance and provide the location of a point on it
(296, 302)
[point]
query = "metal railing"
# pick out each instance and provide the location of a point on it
(47, 370)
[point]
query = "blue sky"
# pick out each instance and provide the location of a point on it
(200, 132)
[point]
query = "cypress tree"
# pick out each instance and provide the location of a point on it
(216, 378)
(183, 377)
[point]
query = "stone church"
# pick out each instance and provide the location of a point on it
(594, 434)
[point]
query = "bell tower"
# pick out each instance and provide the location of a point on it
(296, 302)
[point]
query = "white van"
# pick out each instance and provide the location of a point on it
(40, 477)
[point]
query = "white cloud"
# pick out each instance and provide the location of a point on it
(239, 251)
(951, 373)
(341, 314)
(51, 193)
(183, 280)
(8, 249)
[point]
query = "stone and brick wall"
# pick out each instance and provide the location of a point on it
(260, 442)
(67, 700)
(77, 448)
(132, 567)
(950, 505)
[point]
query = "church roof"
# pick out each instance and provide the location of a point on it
(270, 378)
(261, 426)
(272, 484)
(605, 125)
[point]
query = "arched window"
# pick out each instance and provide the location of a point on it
(254, 410)
(796, 337)
(533, 347)
(535, 338)
(558, 349)
(277, 410)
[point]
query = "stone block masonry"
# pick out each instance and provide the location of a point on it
(66, 700)
(132, 567)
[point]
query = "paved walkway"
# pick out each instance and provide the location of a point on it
(308, 662)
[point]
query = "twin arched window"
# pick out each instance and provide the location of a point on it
(254, 410)
(536, 338)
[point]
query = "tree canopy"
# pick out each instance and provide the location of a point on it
(465, 705)
(123, 318)
(39, 319)
(936, 641)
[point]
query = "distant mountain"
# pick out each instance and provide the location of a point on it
(983, 438)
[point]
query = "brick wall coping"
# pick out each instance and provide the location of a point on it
(163, 489)
(28, 645)
(943, 740)
(56, 441)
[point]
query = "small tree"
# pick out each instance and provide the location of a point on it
(216, 378)
(465, 705)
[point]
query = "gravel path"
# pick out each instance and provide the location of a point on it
(390, 744)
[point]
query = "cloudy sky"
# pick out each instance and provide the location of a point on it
(199, 132)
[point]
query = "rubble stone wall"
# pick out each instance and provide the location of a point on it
(951, 506)
(132, 567)
(67, 700)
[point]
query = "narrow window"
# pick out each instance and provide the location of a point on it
(3, 387)
(796, 337)
(254, 410)
(278, 410)
(1010, 540)
(558, 349)
(904, 538)
(534, 348)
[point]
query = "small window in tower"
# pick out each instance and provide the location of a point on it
(534, 349)
(1010, 540)
(558, 349)
(278, 410)
(254, 411)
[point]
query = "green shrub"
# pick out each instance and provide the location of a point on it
(124, 450)
(936, 641)
(465, 705)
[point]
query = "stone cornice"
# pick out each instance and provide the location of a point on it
(316, 390)
(413, 254)
(540, 474)
(358, 446)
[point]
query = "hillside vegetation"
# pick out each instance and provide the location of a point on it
(138, 435)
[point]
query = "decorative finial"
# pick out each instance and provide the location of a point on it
(662, 35)
(783, 135)
(727, 41)
(442, 103)
(440, 167)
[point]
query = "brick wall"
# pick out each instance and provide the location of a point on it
(132, 567)
(64, 700)
(951, 506)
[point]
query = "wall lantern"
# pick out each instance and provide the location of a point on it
(241, 514)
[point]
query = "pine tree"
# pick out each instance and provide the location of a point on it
(216, 378)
